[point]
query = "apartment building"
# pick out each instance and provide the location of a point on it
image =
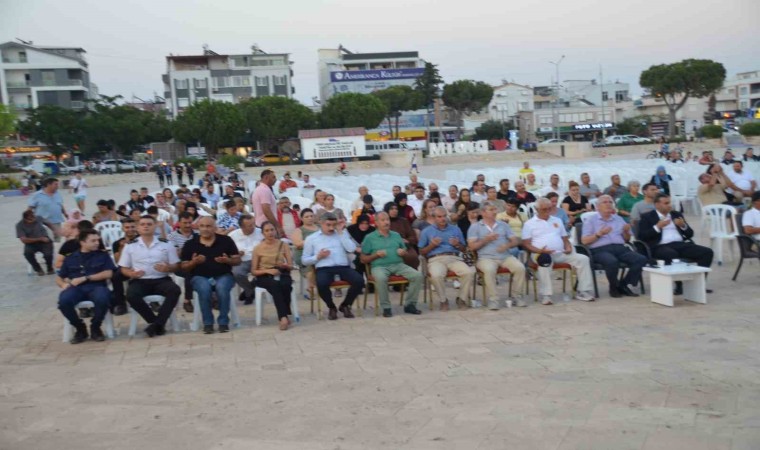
(227, 78)
(32, 76)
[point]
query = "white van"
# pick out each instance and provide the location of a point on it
(375, 147)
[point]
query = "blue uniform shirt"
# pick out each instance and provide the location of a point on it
(80, 264)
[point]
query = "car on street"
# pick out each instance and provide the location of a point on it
(638, 139)
(618, 140)
(554, 141)
(274, 158)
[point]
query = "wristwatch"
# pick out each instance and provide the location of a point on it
(87, 277)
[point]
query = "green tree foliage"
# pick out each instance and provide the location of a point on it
(214, 124)
(352, 110)
(638, 125)
(7, 122)
(750, 129)
(58, 128)
(428, 84)
(276, 118)
(398, 99)
(676, 83)
(712, 131)
(490, 129)
(465, 97)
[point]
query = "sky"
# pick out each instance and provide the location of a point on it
(127, 41)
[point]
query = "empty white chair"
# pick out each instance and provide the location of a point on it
(717, 218)
(134, 317)
(110, 231)
(107, 322)
(679, 190)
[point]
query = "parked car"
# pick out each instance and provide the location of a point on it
(618, 140)
(638, 139)
(554, 141)
(274, 158)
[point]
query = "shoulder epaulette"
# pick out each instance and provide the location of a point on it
(133, 241)
(163, 240)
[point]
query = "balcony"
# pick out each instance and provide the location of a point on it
(77, 104)
(18, 84)
(73, 83)
(16, 60)
(17, 105)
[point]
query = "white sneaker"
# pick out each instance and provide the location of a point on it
(584, 297)
(546, 300)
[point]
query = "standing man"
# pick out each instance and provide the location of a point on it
(209, 258)
(414, 164)
(605, 234)
(493, 240)
(32, 233)
(246, 238)
(385, 249)
(47, 205)
(545, 237)
(441, 244)
(79, 187)
(160, 173)
(326, 250)
(119, 303)
(168, 174)
(179, 169)
(83, 277)
(264, 203)
(147, 262)
(190, 174)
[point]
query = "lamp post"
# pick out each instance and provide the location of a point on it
(556, 95)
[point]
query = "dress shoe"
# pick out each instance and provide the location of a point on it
(346, 310)
(160, 330)
(284, 323)
(412, 309)
(248, 301)
(81, 335)
(625, 290)
(97, 334)
(445, 306)
(614, 293)
(224, 328)
(332, 314)
(241, 297)
(461, 304)
(208, 329)
(41, 273)
(119, 310)
(188, 306)
(151, 330)
(387, 313)
(50, 271)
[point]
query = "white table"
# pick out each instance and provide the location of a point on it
(662, 281)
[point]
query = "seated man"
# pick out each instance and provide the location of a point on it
(385, 249)
(210, 196)
(615, 190)
(83, 277)
(208, 258)
(441, 244)
(33, 234)
(286, 183)
(147, 262)
(670, 237)
(178, 238)
(589, 189)
(531, 184)
(751, 218)
(493, 240)
(288, 217)
(229, 222)
(246, 237)
(522, 196)
(326, 250)
(606, 233)
(546, 238)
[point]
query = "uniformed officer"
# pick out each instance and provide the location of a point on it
(82, 277)
(147, 262)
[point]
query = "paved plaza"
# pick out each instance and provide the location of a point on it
(612, 374)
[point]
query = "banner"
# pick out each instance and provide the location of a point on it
(374, 75)
(333, 147)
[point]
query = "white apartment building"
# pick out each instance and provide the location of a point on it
(32, 76)
(227, 78)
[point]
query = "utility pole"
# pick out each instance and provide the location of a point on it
(601, 86)
(556, 95)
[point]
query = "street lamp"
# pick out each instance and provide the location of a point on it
(556, 95)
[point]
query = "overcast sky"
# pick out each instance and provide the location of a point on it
(127, 41)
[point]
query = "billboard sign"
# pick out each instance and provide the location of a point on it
(369, 81)
(333, 147)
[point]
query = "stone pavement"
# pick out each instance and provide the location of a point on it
(612, 374)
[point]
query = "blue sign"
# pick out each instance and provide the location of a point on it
(371, 75)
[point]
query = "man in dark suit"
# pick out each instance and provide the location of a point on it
(669, 236)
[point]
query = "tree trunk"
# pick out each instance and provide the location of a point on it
(390, 126)
(397, 116)
(671, 121)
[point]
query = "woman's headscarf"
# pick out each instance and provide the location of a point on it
(356, 233)
(74, 220)
(387, 208)
(659, 180)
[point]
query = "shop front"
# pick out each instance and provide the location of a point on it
(580, 131)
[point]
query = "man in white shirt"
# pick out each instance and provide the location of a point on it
(415, 201)
(544, 234)
(447, 201)
(479, 192)
(553, 187)
(246, 237)
(751, 218)
(359, 202)
(743, 180)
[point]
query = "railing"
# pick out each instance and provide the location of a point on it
(21, 105)
(14, 60)
(18, 84)
(74, 83)
(77, 104)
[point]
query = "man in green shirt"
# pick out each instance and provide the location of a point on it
(384, 249)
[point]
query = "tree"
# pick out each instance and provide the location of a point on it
(465, 97)
(7, 122)
(676, 82)
(491, 129)
(58, 128)
(396, 100)
(276, 118)
(352, 110)
(212, 123)
(428, 84)
(638, 125)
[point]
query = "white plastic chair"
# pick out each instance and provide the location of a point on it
(110, 231)
(262, 295)
(716, 217)
(587, 215)
(592, 202)
(107, 321)
(195, 325)
(134, 317)
(679, 191)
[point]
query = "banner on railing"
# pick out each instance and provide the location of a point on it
(457, 148)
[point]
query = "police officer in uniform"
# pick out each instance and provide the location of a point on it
(82, 277)
(147, 262)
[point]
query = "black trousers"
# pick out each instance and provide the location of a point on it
(325, 276)
(280, 291)
(188, 277)
(703, 256)
(46, 248)
(117, 281)
(610, 256)
(161, 286)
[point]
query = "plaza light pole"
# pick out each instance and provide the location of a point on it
(556, 96)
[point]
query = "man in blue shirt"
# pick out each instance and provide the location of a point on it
(47, 204)
(441, 244)
(605, 234)
(326, 251)
(82, 277)
(210, 196)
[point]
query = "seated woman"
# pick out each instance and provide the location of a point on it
(575, 204)
(271, 265)
(105, 212)
(404, 228)
(630, 198)
(662, 180)
(404, 210)
(358, 232)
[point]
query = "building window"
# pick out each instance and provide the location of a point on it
(220, 82)
(22, 57)
(261, 81)
(743, 90)
(180, 84)
(280, 81)
(246, 81)
(743, 105)
(731, 91)
(200, 84)
(523, 106)
(237, 81)
(545, 120)
(183, 102)
(48, 78)
(605, 96)
(621, 96)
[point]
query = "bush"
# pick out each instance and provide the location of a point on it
(712, 131)
(9, 183)
(198, 164)
(231, 161)
(750, 129)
